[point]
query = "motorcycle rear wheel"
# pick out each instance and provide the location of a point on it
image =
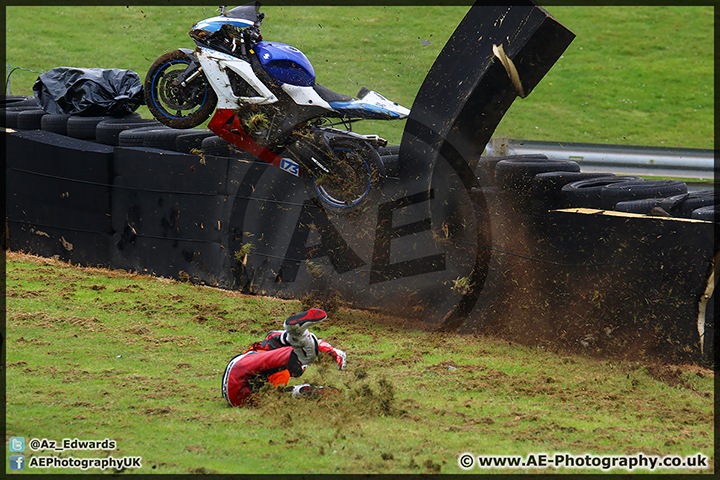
(171, 103)
(354, 181)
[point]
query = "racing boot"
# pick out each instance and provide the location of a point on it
(297, 324)
(304, 343)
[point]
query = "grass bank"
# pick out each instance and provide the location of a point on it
(95, 354)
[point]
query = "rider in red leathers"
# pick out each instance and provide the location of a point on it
(281, 355)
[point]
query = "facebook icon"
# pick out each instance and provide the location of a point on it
(17, 462)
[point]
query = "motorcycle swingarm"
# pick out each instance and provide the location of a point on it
(314, 148)
(226, 125)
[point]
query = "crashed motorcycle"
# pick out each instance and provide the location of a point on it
(269, 105)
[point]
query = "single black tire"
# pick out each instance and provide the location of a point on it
(136, 136)
(5, 99)
(84, 128)
(695, 200)
(107, 132)
(706, 213)
(624, 191)
(174, 105)
(587, 193)
(163, 139)
(485, 170)
(517, 173)
(19, 101)
(220, 147)
(355, 181)
(191, 141)
(643, 206)
(55, 122)
(391, 164)
(9, 115)
(30, 119)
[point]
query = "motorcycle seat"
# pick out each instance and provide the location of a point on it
(330, 96)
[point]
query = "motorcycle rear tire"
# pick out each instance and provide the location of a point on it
(159, 94)
(355, 185)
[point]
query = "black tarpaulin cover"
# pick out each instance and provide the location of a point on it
(89, 91)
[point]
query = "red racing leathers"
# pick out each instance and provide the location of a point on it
(271, 360)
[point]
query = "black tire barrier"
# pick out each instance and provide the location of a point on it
(55, 122)
(165, 139)
(192, 140)
(187, 260)
(637, 190)
(705, 213)
(83, 128)
(485, 170)
(58, 196)
(587, 193)
(30, 119)
(108, 131)
(143, 173)
(517, 173)
(218, 147)
(80, 247)
(611, 270)
(135, 136)
(170, 213)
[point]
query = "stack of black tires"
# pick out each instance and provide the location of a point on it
(538, 185)
(25, 113)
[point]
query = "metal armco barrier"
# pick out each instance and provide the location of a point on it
(690, 163)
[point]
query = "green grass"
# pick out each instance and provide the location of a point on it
(634, 75)
(95, 354)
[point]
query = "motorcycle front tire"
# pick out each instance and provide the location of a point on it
(169, 104)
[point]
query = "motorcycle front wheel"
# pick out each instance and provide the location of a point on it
(171, 103)
(354, 180)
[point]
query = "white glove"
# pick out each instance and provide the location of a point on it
(340, 358)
